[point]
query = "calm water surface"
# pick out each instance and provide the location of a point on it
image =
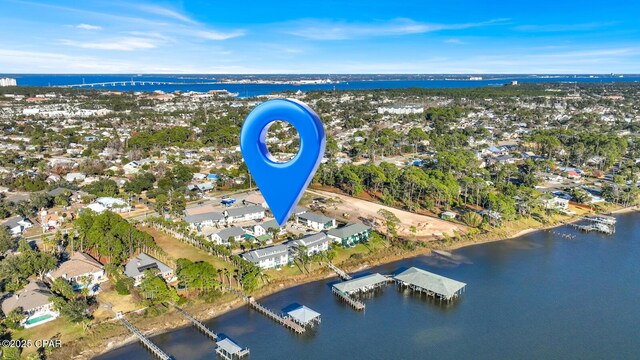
(536, 297)
(247, 90)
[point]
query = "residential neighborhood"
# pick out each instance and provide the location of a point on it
(134, 202)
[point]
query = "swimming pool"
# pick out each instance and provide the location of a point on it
(38, 319)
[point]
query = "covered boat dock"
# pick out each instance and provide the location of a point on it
(229, 350)
(304, 316)
(432, 284)
(362, 284)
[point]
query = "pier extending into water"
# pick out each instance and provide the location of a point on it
(198, 325)
(356, 304)
(363, 284)
(602, 219)
(153, 348)
(341, 273)
(280, 319)
(596, 226)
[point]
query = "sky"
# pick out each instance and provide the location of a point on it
(320, 37)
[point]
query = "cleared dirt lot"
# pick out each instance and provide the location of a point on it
(427, 227)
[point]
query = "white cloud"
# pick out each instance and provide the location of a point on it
(169, 13)
(213, 35)
(88, 27)
(120, 44)
(327, 30)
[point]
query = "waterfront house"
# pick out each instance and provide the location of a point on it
(80, 270)
(315, 243)
(270, 257)
(17, 224)
(350, 234)
(263, 228)
(316, 221)
(228, 235)
(556, 203)
(252, 212)
(135, 268)
(34, 300)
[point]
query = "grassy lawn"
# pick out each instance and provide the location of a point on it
(177, 249)
(58, 328)
(123, 303)
(343, 254)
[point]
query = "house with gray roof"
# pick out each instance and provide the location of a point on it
(350, 234)
(34, 301)
(316, 221)
(314, 243)
(262, 228)
(202, 187)
(198, 221)
(17, 224)
(227, 235)
(270, 257)
(245, 213)
(135, 268)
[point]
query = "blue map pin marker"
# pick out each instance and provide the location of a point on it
(282, 184)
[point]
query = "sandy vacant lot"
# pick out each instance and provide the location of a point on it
(367, 212)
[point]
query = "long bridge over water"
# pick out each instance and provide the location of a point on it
(137, 82)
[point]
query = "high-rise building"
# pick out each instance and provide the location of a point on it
(8, 82)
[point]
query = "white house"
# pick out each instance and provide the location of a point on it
(270, 257)
(17, 224)
(35, 304)
(113, 204)
(71, 177)
(131, 168)
(316, 221)
(225, 236)
(198, 221)
(314, 243)
(135, 268)
(253, 212)
(97, 208)
(556, 203)
(262, 228)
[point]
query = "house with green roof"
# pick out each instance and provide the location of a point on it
(350, 234)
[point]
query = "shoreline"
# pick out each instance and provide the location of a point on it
(216, 310)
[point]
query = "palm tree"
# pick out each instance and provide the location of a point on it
(302, 255)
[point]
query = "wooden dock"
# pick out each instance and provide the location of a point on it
(342, 274)
(602, 219)
(346, 298)
(596, 226)
(198, 325)
(282, 320)
(153, 348)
